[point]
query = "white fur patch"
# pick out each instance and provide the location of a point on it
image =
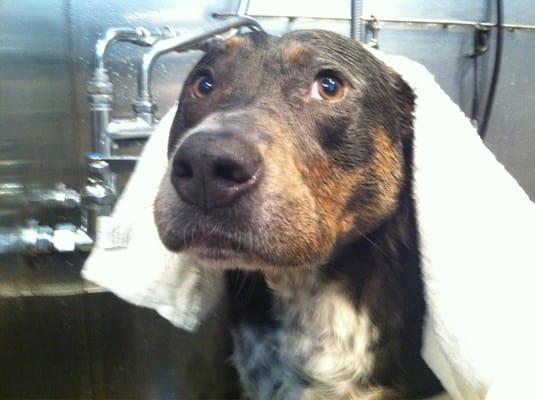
(320, 350)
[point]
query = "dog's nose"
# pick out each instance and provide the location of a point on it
(212, 169)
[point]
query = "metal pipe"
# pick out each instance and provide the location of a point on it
(98, 195)
(446, 23)
(137, 35)
(100, 97)
(356, 22)
(35, 238)
(117, 164)
(100, 88)
(400, 21)
(181, 43)
(127, 129)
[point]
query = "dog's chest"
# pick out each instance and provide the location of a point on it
(320, 347)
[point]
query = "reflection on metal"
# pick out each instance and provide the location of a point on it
(98, 195)
(16, 195)
(35, 238)
(96, 200)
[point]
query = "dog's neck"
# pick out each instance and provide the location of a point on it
(368, 290)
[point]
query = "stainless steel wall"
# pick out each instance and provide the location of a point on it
(511, 134)
(46, 59)
(47, 47)
(38, 138)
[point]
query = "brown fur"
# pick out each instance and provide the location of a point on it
(234, 44)
(296, 53)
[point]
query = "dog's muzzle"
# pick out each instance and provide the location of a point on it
(214, 168)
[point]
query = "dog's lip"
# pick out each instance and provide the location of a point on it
(215, 241)
(214, 253)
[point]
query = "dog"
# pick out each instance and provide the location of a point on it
(290, 166)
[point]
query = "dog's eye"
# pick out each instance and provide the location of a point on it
(327, 87)
(202, 86)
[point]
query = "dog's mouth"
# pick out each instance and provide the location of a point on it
(214, 242)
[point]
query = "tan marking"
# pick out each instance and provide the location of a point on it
(387, 170)
(288, 203)
(296, 53)
(233, 44)
(332, 188)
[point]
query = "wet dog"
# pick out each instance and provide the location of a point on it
(290, 161)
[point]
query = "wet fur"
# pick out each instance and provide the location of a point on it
(331, 304)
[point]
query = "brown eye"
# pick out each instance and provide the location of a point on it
(327, 87)
(202, 86)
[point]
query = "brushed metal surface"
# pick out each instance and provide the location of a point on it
(47, 54)
(37, 123)
(511, 132)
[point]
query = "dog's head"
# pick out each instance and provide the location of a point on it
(282, 150)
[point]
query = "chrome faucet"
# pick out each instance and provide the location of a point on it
(100, 92)
(97, 197)
(105, 130)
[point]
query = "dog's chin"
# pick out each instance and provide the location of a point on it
(221, 258)
(227, 253)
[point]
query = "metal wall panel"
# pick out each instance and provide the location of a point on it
(511, 132)
(37, 119)
(47, 53)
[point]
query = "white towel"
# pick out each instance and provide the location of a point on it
(477, 239)
(129, 259)
(476, 234)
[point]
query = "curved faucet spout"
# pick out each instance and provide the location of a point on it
(137, 35)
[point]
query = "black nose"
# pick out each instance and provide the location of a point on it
(212, 169)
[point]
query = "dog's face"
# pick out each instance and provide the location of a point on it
(282, 150)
